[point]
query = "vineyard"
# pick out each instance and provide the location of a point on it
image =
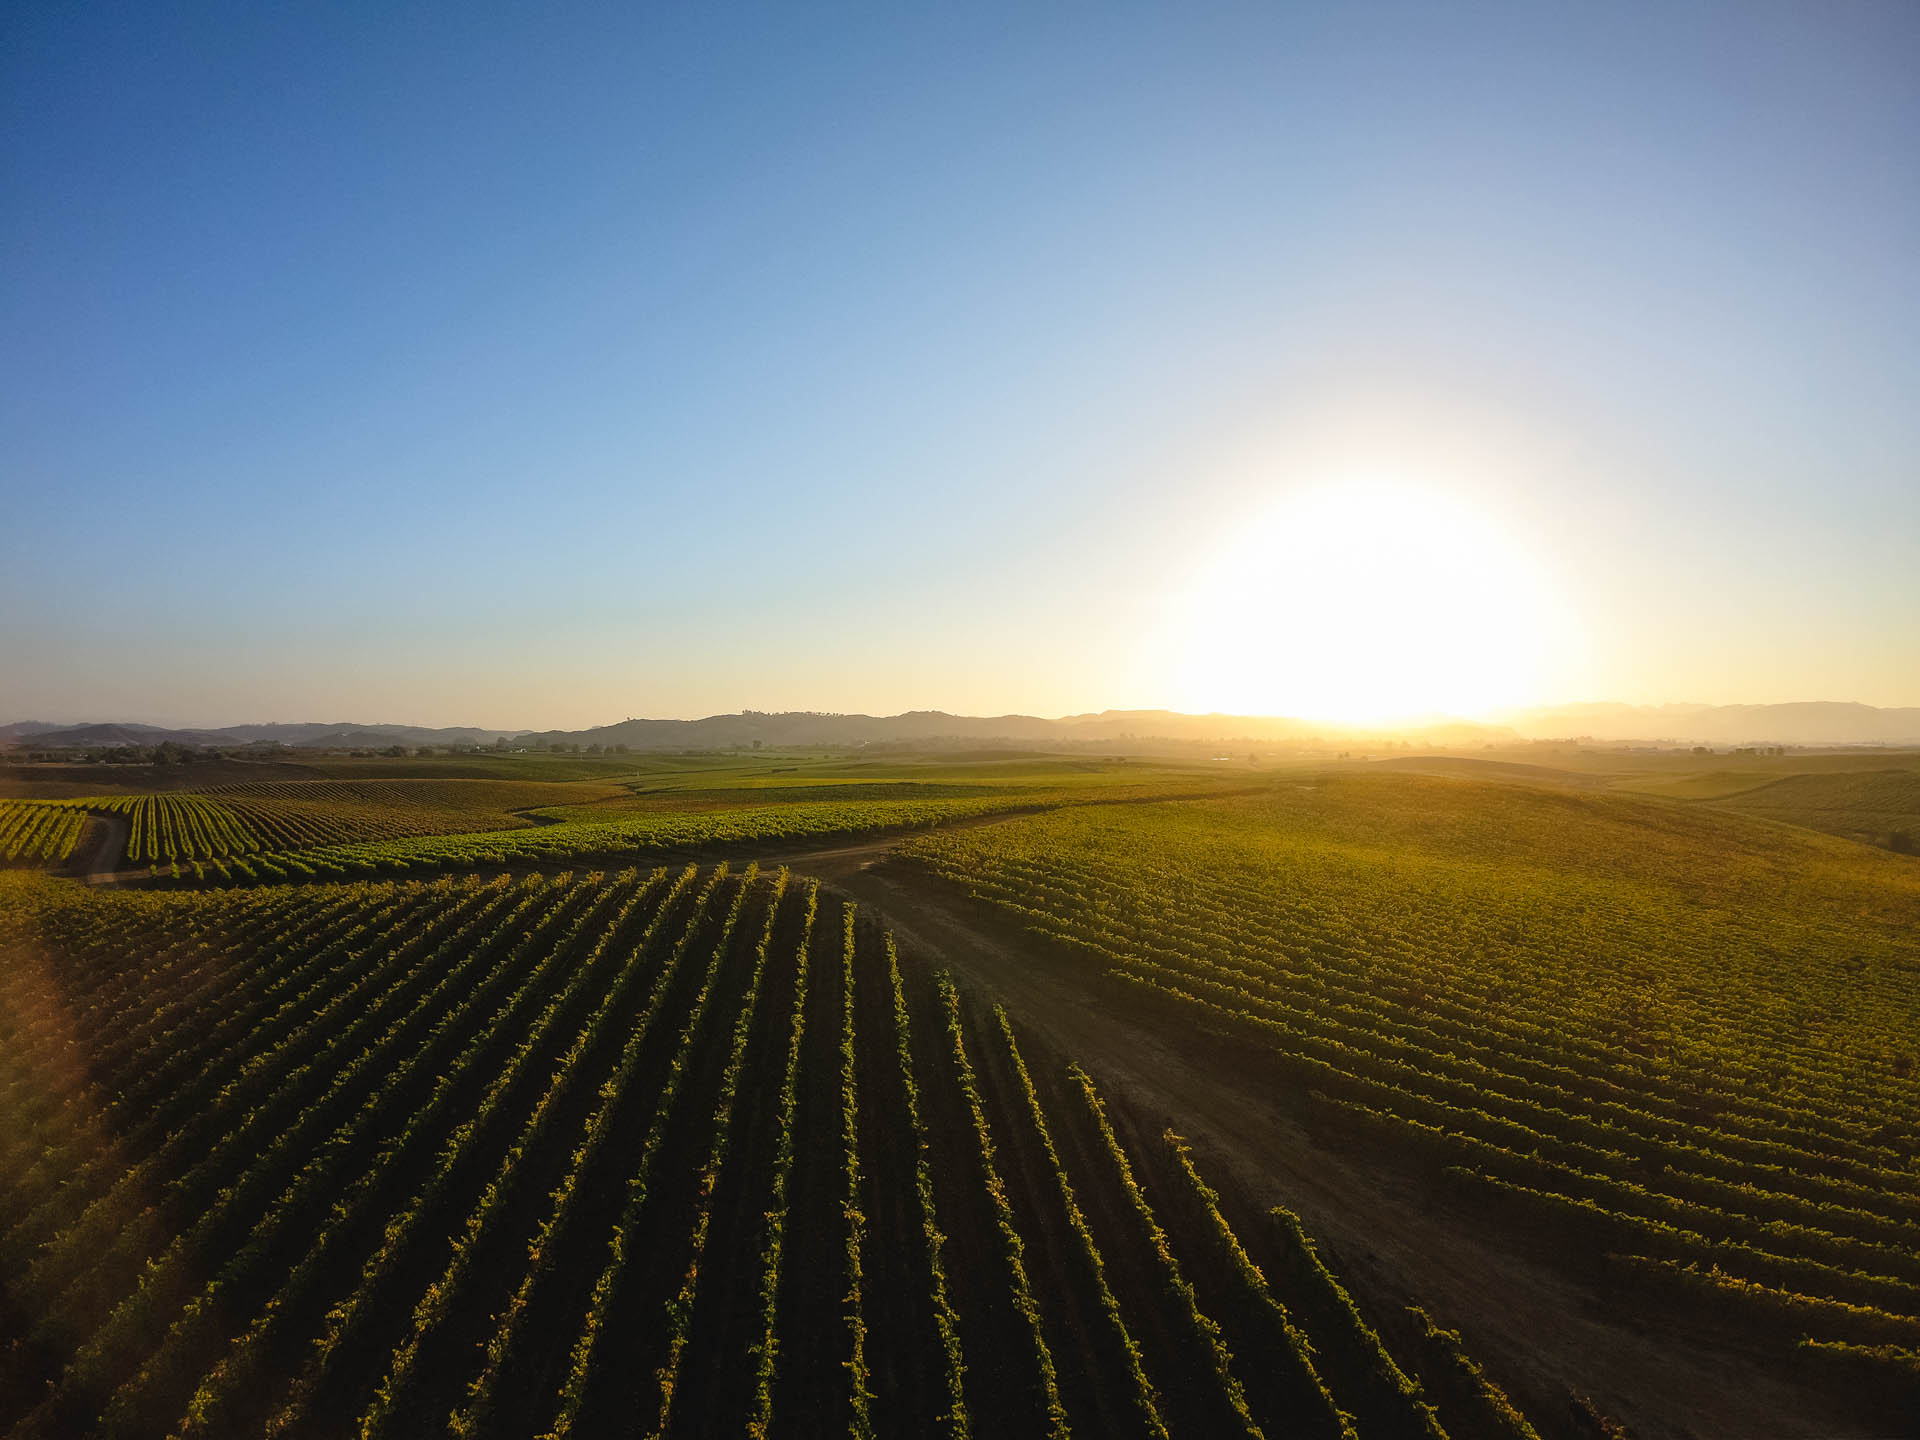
(338, 829)
(39, 832)
(1875, 806)
(456, 1137)
(628, 836)
(692, 1151)
(1676, 1051)
(586, 841)
(223, 825)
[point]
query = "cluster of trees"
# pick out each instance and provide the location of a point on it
(557, 747)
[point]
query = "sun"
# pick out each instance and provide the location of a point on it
(1364, 603)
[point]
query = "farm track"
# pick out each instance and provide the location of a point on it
(1543, 1334)
(97, 855)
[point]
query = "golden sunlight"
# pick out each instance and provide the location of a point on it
(1367, 603)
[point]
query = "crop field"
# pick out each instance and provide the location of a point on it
(644, 831)
(1881, 807)
(520, 1115)
(230, 821)
(299, 829)
(617, 835)
(631, 836)
(683, 1152)
(1677, 1049)
(663, 775)
(1703, 777)
(38, 832)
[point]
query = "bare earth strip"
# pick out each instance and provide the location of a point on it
(102, 843)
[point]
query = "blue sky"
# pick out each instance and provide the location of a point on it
(545, 365)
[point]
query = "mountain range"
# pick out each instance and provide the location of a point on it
(1812, 722)
(1806, 723)
(312, 736)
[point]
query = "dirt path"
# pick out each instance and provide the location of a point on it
(1542, 1334)
(97, 857)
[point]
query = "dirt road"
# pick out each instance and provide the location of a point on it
(1543, 1335)
(102, 843)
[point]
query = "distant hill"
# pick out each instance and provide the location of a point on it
(23, 729)
(88, 736)
(798, 727)
(1811, 723)
(930, 727)
(338, 736)
(1816, 722)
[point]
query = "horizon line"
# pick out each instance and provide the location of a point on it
(1489, 720)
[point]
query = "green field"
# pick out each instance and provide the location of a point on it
(39, 832)
(648, 832)
(597, 809)
(240, 820)
(1676, 1040)
(1868, 795)
(1881, 807)
(302, 829)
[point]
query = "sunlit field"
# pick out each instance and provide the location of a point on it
(589, 1120)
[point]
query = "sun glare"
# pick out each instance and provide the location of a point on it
(1367, 603)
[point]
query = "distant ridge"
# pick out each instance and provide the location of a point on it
(801, 727)
(794, 727)
(1805, 723)
(23, 729)
(1808, 722)
(308, 736)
